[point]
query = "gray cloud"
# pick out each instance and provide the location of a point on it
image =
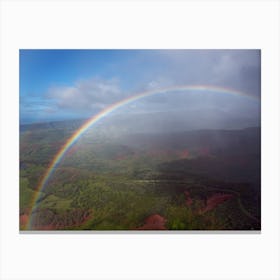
(87, 94)
(236, 69)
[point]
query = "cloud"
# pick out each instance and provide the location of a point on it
(143, 70)
(86, 94)
(240, 70)
(89, 96)
(159, 83)
(237, 69)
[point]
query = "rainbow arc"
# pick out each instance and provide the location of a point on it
(93, 120)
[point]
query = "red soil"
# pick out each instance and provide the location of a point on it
(189, 200)
(23, 220)
(187, 193)
(154, 222)
(184, 154)
(214, 201)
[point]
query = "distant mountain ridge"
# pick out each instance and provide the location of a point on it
(182, 120)
(65, 124)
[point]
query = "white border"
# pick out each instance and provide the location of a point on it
(156, 24)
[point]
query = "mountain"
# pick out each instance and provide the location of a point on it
(151, 122)
(180, 120)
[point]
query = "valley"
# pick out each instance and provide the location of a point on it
(201, 179)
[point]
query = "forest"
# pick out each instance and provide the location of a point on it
(116, 180)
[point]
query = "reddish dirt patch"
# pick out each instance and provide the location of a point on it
(214, 201)
(184, 154)
(187, 193)
(23, 220)
(189, 200)
(154, 222)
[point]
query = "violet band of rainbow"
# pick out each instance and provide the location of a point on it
(90, 122)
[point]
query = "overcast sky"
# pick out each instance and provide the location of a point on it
(65, 84)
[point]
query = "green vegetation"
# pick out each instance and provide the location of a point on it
(113, 183)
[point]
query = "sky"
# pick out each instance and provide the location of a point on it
(73, 84)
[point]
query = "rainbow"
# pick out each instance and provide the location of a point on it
(93, 120)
